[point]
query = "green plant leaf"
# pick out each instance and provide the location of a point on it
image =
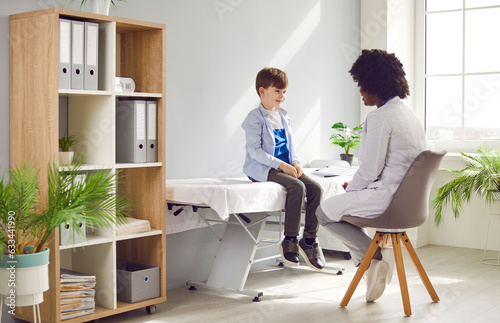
(346, 138)
(479, 177)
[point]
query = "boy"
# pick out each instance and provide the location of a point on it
(270, 156)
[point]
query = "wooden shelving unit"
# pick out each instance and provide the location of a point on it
(127, 48)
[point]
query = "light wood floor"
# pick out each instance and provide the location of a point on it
(469, 292)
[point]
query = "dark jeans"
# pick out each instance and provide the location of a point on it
(298, 191)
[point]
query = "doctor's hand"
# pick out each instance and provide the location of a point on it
(345, 185)
(289, 169)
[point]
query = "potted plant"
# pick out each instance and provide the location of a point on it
(65, 155)
(28, 220)
(480, 177)
(101, 6)
(346, 138)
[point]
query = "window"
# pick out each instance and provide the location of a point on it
(462, 72)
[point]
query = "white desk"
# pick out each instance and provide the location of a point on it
(244, 206)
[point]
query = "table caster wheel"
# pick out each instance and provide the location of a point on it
(347, 256)
(256, 299)
(151, 309)
(192, 288)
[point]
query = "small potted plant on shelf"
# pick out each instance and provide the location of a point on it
(480, 176)
(346, 138)
(65, 155)
(29, 219)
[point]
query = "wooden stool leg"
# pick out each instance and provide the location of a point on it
(398, 258)
(362, 267)
(419, 267)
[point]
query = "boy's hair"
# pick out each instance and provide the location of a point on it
(271, 76)
(380, 73)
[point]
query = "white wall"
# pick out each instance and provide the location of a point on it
(213, 58)
(214, 50)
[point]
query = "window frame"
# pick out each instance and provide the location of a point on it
(451, 146)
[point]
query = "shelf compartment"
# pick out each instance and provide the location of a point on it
(91, 119)
(95, 260)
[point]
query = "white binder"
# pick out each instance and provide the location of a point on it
(91, 56)
(68, 234)
(151, 142)
(131, 131)
(77, 53)
(64, 54)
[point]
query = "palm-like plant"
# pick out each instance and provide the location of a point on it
(66, 142)
(26, 219)
(346, 138)
(480, 176)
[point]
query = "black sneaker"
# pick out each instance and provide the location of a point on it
(290, 252)
(311, 254)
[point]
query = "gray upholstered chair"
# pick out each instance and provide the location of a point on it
(409, 208)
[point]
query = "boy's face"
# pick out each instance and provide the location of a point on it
(272, 97)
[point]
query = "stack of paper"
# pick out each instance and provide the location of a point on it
(133, 226)
(77, 294)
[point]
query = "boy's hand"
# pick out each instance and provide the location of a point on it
(289, 169)
(298, 168)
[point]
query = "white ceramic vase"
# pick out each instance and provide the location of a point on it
(65, 157)
(101, 6)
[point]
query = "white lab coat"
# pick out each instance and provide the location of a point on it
(391, 138)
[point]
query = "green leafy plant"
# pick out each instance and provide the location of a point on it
(29, 218)
(65, 143)
(480, 177)
(346, 138)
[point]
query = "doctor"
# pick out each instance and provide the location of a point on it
(392, 137)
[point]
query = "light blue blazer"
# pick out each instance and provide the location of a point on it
(260, 146)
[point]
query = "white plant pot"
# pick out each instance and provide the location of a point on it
(66, 157)
(27, 278)
(101, 6)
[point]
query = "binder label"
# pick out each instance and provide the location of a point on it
(77, 44)
(91, 54)
(65, 46)
(141, 121)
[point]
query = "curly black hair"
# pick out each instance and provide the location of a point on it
(380, 73)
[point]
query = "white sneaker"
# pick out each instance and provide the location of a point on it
(388, 257)
(376, 277)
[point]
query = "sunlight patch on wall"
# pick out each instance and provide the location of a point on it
(298, 38)
(280, 60)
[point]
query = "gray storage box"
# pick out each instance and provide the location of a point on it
(137, 282)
